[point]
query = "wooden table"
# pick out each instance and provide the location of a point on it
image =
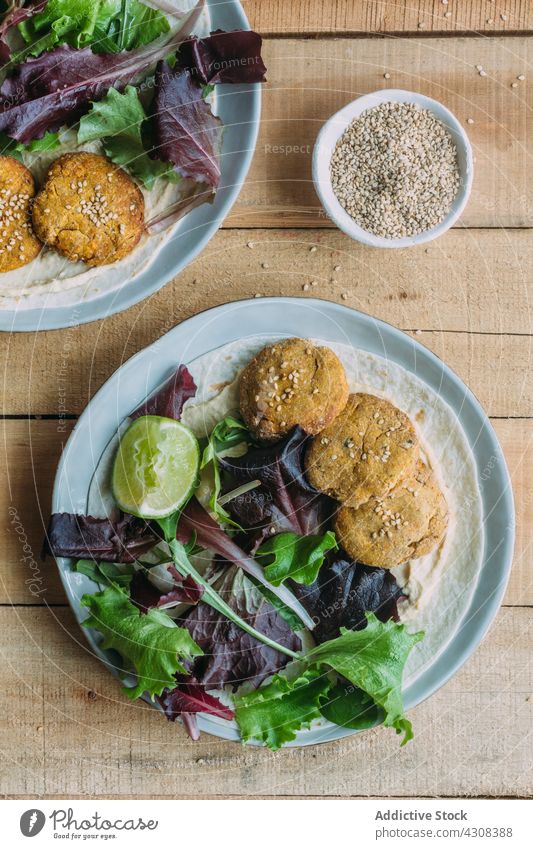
(467, 297)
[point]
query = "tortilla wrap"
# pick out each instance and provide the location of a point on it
(439, 585)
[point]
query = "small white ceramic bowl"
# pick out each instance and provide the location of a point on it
(335, 127)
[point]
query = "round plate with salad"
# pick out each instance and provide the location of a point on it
(126, 131)
(283, 539)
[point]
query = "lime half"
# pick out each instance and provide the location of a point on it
(156, 467)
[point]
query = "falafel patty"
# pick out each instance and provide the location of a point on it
(291, 383)
(405, 524)
(365, 452)
(89, 209)
(18, 244)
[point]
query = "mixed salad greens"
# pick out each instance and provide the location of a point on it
(238, 603)
(128, 75)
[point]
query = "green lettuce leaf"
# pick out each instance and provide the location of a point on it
(105, 25)
(275, 712)
(226, 434)
(10, 147)
(289, 555)
(349, 707)
(373, 659)
(118, 120)
(151, 642)
(106, 574)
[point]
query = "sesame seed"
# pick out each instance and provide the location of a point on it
(521, 77)
(386, 76)
(264, 265)
(313, 249)
(249, 244)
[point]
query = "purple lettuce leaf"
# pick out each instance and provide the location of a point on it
(224, 57)
(115, 541)
(187, 134)
(232, 656)
(145, 595)
(169, 400)
(196, 523)
(285, 501)
(189, 696)
(344, 592)
(55, 88)
(17, 12)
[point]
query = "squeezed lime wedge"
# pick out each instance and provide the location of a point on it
(156, 467)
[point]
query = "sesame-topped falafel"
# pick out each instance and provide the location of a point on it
(18, 244)
(291, 383)
(365, 452)
(88, 209)
(405, 524)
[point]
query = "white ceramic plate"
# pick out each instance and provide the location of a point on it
(239, 107)
(140, 375)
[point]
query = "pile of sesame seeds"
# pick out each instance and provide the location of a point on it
(395, 170)
(13, 221)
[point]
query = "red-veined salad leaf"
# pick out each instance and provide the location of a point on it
(232, 656)
(195, 522)
(12, 17)
(285, 501)
(274, 713)
(169, 400)
(55, 88)
(155, 646)
(187, 134)
(224, 57)
(120, 121)
(145, 595)
(189, 696)
(344, 592)
(373, 660)
(116, 541)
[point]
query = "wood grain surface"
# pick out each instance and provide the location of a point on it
(390, 17)
(68, 729)
(311, 79)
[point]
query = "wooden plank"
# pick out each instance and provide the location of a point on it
(31, 452)
(475, 281)
(69, 730)
(314, 17)
(309, 80)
